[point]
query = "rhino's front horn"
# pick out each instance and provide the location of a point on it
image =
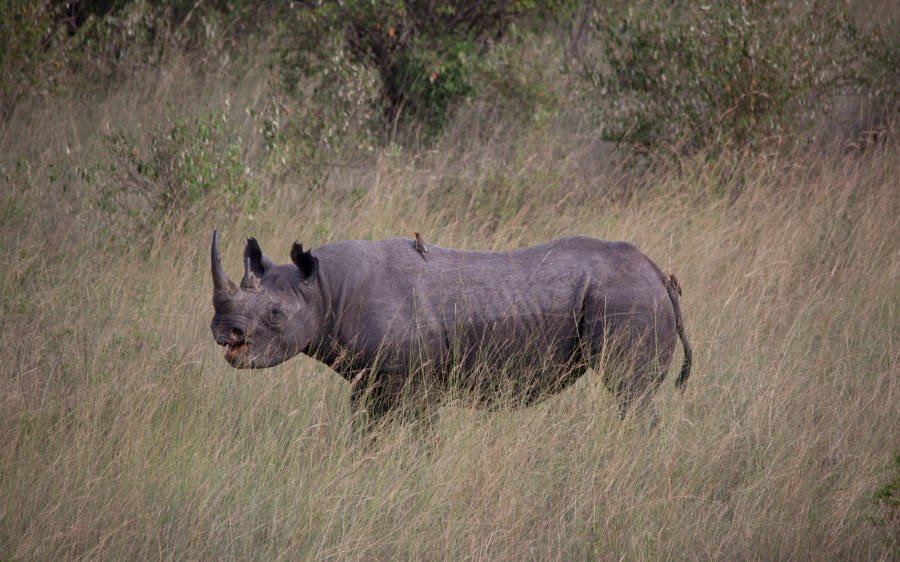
(221, 282)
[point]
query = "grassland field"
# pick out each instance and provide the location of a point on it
(125, 435)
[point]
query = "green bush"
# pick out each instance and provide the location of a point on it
(27, 33)
(431, 80)
(727, 72)
(178, 165)
(887, 504)
(423, 53)
(52, 46)
(324, 102)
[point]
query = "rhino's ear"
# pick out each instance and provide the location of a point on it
(256, 260)
(305, 261)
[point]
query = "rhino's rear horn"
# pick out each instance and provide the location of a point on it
(221, 282)
(250, 280)
(255, 264)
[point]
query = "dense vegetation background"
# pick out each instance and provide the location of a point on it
(751, 147)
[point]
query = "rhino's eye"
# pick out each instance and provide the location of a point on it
(275, 316)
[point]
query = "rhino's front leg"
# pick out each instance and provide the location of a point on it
(370, 397)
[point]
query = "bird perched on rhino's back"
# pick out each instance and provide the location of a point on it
(420, 245)
(533, 319)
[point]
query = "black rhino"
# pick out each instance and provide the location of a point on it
(523, 323)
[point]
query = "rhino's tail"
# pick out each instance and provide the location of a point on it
(674, 290)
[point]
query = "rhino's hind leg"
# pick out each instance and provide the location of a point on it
(635, 378)
(636, 396)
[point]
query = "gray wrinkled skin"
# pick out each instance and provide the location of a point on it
(530, 321)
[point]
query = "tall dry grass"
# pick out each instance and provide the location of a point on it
(125, 435)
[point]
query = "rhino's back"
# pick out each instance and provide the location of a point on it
(536, 292)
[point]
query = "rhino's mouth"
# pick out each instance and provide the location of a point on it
(233, 351)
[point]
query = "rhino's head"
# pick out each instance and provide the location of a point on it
(275, 312)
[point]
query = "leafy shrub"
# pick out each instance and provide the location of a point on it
(50, 47)
(27, 31)
(423, 52)
(728, 72)
(522, 76)
(887, 503)
(188, 161)
(53, 45)
(325, 100)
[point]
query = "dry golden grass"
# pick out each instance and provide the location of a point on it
(125, 435)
